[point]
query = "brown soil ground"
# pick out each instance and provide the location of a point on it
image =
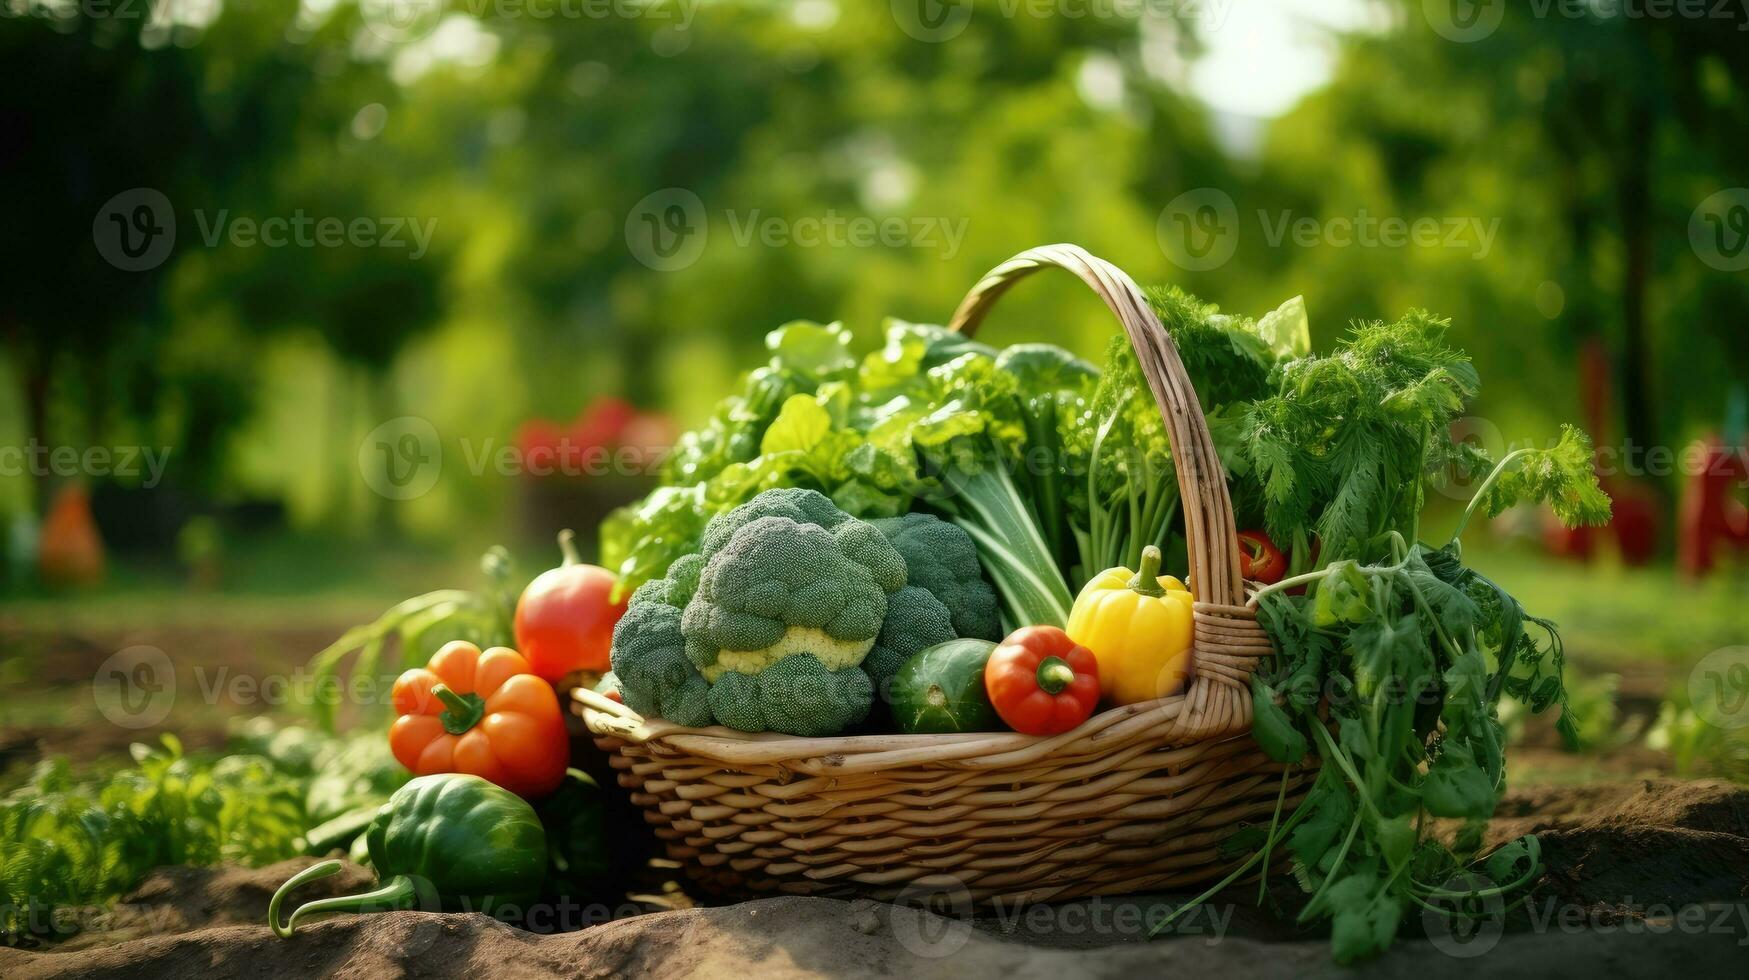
(1643, 873)
(1641, 876)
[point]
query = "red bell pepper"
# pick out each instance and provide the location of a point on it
(1041, 682)
(1259, 559)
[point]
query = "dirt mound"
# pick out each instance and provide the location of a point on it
(1622, 849)
(1614, 854)
(803, 937)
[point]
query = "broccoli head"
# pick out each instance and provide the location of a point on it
(649, 659)
(797, 695)
(789, 579)
(915, 619)
(940, 557)
(778, 588)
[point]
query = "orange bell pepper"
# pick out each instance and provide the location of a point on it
(481, 713)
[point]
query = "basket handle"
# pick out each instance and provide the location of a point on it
(1227, 641)
(1202, 481)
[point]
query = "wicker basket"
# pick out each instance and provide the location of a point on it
(1139, 797)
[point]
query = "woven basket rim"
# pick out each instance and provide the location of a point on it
(1104, 731)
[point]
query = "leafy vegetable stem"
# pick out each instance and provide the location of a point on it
(1427, 612)
(1396, 872)
(1308, 578)
(1293, 821)
(1520, 882)
(1399, 547)
(1269, 839)
(1096, 517)
(1041, 602)
(1288, 583)
(1135, 510)
(1335, 754)
(1482, 491)
(1335, 867)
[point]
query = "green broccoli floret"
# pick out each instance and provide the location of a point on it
(915, 619)
(940, 557)
(777, 588)
(655, 678)
(801, 506)
(797, 695)
(789, 579)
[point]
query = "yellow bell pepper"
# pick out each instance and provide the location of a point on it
(1138, 626)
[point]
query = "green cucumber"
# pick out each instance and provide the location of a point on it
(940, 690)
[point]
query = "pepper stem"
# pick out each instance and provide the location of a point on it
(1054, 674)
(568, 547)
(1147, 580)
(462, 711)
(395, 894)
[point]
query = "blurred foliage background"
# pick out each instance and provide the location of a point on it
(528, 135)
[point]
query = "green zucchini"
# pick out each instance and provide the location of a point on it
(940, 690)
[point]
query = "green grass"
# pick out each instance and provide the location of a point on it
(1612, 616)
(274, 580)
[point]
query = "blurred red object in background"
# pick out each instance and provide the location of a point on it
(1712, 514)
(610, 437)
(577, 473)
(1634, 508)
(70, 551)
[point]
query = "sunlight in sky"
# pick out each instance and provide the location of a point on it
(1263, 55)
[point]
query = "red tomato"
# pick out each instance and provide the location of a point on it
(565, 618)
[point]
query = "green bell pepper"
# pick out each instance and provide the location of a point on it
(450, 841)
(580, 862)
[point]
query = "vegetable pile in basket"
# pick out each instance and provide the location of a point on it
(839, 547)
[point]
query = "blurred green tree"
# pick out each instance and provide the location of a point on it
(1594, 136)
